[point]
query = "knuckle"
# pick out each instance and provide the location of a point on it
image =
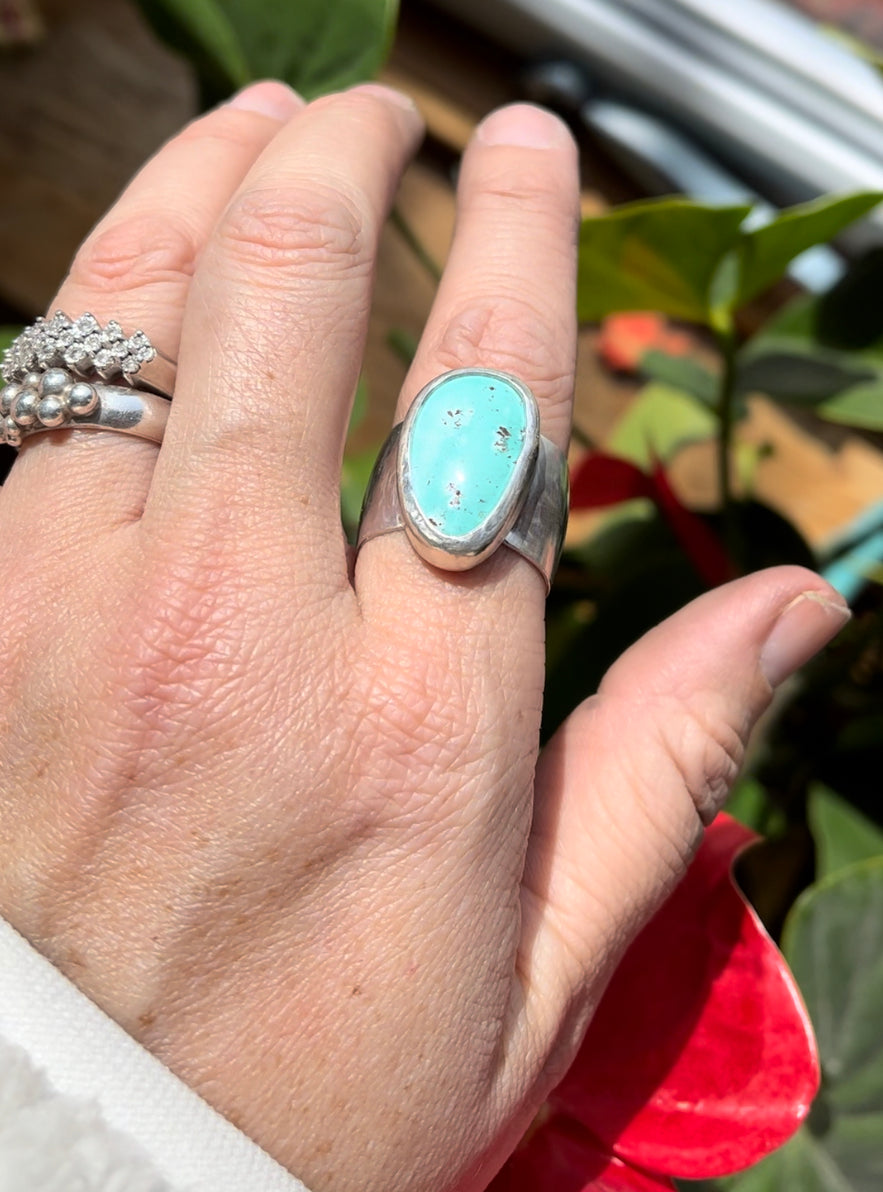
(183, 652)
(298, 228)
(133, 252)
(421, 746)
(512, 335)
(708, 752)
(527, 192)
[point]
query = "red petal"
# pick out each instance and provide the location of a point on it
(599, 480)
(560, 1156)
(701, 545)
(625, 337)
(674, 343)
(700, 1059)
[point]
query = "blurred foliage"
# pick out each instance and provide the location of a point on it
(313, 45)
(813, 788)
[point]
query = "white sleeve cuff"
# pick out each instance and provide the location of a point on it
(90, 1061)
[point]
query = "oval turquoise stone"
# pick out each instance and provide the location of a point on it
(467, 451)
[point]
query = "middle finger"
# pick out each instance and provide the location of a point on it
(274, 329)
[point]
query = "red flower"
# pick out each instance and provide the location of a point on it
(700, 1058)
(599, 480)
(626, 337)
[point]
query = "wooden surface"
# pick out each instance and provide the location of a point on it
(83, 108)
(79, 112)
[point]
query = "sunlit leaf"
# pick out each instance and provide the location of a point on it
(767, 251)
(658, 423)
(659, 254)
(861, 406)
(842, 835)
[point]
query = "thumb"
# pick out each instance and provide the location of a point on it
(626, 784)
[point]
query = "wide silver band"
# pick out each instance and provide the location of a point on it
(89, 350)
(80, 406)
(537, 533)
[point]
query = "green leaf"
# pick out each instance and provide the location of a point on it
(749, 803)
(842, 835)
(798, 374)
(7, 335)
(803, 1165)
(202, 31)
(834, 942)
(661, 254)
(403, 343)
(795, 321)
(682, 372)
(354, 476)
(768, 250)
(316, 46)
(862, 406)
(658, 423)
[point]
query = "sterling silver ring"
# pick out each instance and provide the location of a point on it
(57, 400)
(90, 351)
(468, 471)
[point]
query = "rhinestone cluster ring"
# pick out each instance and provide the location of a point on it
(88, 350)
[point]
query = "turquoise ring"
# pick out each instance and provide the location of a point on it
(468, 471)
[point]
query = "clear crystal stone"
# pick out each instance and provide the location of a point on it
(86, 324)
(141, 348)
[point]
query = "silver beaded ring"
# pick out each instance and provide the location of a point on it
(57, 400)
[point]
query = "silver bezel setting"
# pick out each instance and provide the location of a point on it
(463, 552)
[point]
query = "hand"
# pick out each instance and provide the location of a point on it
(279, 812)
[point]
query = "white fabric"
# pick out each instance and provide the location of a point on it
(104, 1109)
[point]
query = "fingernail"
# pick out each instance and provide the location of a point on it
(268, 98)
(523, 124)
(389, 95)
(804, 626)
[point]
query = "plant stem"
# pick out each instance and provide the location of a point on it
(416, 246)
(726, 339)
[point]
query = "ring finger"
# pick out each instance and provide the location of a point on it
(136, 267)
(507, 302)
